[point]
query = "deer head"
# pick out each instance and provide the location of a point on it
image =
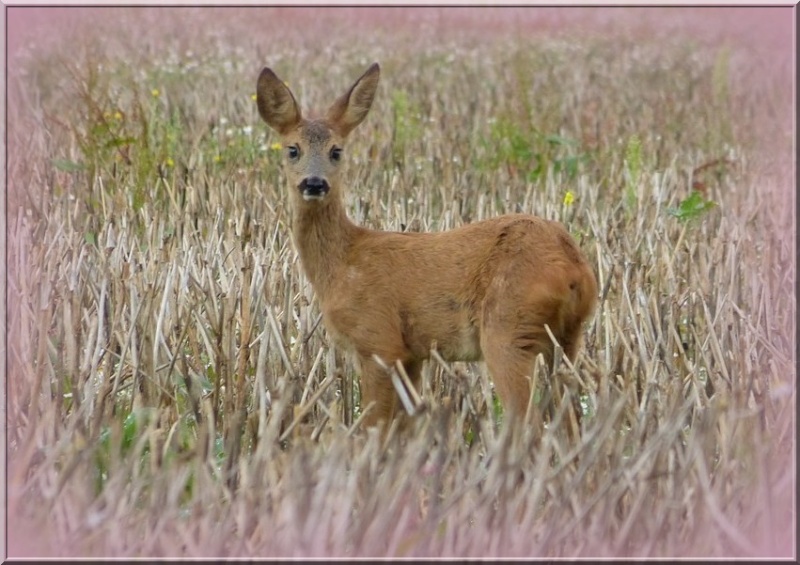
(313, 148)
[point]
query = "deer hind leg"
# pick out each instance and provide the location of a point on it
(513, 334)
(510, 356)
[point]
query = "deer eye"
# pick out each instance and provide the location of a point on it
(336, 153)
(293, 151)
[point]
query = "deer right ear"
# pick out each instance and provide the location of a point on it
(352, 107)
(276, 104)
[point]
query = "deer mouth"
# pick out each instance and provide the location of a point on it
(314, 188)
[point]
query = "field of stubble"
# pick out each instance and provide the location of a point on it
(171, 392)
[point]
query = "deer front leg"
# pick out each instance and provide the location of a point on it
(377, 393)
(377, 390)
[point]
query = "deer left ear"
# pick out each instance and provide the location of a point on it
(352, 107)
(276, 103)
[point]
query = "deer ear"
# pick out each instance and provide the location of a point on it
(352, 107)
(276, 104)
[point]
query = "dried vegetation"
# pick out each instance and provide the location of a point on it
(171, 391)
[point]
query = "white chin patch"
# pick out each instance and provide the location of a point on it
(307, 196)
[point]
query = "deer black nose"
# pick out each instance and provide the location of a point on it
(314, 188)
(315, 183)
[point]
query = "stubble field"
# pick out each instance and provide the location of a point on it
(172, 392)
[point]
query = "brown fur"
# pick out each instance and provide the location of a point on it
(481, 291)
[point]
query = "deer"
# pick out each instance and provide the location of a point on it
(488, 290)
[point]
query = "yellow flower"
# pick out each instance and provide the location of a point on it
(276, 146)
(170, 162)
(155, 93)
(217, 158)
(117, 115)
(253, 97)
(569, 198)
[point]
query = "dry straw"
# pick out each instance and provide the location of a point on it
(172, 392)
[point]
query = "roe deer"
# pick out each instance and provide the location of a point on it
(481, 291)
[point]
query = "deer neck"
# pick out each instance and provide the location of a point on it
(323, 235)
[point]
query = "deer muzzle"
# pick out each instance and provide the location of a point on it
(313, 188)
